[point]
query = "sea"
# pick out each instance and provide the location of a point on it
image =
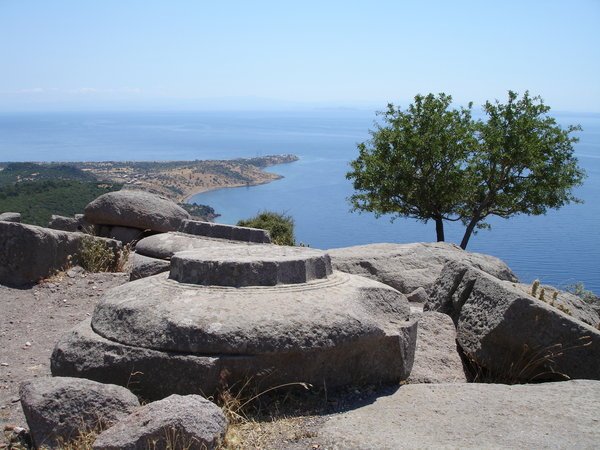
(560, 248)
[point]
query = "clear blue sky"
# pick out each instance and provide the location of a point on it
(138, 54)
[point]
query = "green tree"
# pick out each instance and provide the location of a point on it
(279, 226)
(431, 162)
(413, 164)
(524, 163)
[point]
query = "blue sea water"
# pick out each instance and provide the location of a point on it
(559, 248)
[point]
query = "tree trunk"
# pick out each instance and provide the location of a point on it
(439, 229)
(468, 232)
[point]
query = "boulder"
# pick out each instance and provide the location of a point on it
(567, 302)
(407, 267)
(221, 231)
(419, 295)
(126, 235)
(136, 209)
(29, 253)
(165, 245)
(58, 409)
(144, 266)
(436, 357)
(271, 315)
(63, 223)
(10, 217)
(189, 422)
(471, 416)
(510, 334)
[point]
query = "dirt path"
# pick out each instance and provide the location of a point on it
(31, 322)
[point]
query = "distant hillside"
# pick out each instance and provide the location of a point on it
(38, 200)
(26, 171)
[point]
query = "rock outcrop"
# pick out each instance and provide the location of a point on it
(510, 334)
(437, 359)
(76, 223)
(472, 416)
(268, 314)
(407, 267)
(58, 409)
(29, 253)
(144, 266)
(189, 422)
(10, 217)
(136, 209)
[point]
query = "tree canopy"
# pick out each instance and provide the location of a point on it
(432, 162)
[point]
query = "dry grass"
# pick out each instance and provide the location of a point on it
(532, 365)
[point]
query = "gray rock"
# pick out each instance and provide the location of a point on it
(126, 235)
(222, 231)
(10, 217)
(472, 416)
(511, 334)
(407, 267)
(190, 422)
(136, 209)
(250, 266)
(58, 409)
(144, 266)
(29, 253)
(77, 223)
(335, 328)
(567, 302)
(155, 374)
(165, 245)
(419, 295)
(436, 357)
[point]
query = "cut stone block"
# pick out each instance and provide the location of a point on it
(221, 231)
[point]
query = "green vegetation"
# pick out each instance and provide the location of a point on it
(38, 200)
(96, 255)
(580, 291)
(21, 172)
(203, 212)
(279, 226)
(433, 163)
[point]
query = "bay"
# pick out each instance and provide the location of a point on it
(559, 248)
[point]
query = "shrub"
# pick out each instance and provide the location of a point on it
(96, 255)
(279, 226)
(580, 291)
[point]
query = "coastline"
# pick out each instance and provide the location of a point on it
(187, 197)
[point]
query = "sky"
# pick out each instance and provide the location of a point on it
(128, 54)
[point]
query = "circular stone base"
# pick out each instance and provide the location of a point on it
(162, 314)
(255, 265)
(156, 374)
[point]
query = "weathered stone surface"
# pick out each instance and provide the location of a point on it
(436, 357)
(512, 334)
(57, 409)
(144, 266)
(77, 223)
(250, 266)
(339, 329)
(136, 209)
(472, 416)
(155, 374)
(165, 245)
(569, 303)
(10, 217)
(419, 295)
(407, 267)
(190, 422)
(29, 253)
(126, 235)
(222, 231)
